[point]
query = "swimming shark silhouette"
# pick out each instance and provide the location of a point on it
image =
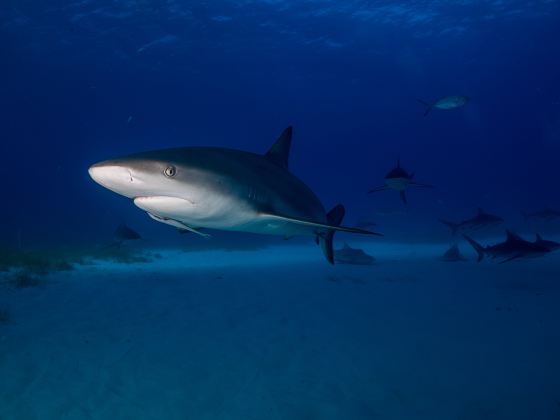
(208, 187)
(399, 179)
(481, 220)
(514, 247)
(349, 255)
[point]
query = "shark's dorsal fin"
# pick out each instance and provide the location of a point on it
(346, 246)
(279, 153)
(539, 237)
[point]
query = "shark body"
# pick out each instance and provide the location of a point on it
(399, 179)
(216, 188)
(513, 248)
(481, 220)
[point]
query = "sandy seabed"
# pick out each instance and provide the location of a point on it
(279, 334)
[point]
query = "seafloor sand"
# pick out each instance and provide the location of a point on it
(279, 334)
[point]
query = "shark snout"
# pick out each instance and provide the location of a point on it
(115, 177)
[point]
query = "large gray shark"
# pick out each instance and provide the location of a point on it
(208, 187)
(514, 247)
(399, 179)
(449, 102)
(481, 220)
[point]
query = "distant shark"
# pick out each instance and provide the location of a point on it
(124, 233)
(481, 220)
(355, 256)
(448, 102)
(551, 245)
(208, 187)
(545, 214)
(399, 179)
(453, 254)
(514, 247)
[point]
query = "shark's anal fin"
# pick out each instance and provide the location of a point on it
(279, 153)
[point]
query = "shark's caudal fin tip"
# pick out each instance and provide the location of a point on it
(476, 246)
(334, 218)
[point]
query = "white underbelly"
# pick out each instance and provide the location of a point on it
(214, 213)
(222, 214)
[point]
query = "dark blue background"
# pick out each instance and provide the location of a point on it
(345, 74)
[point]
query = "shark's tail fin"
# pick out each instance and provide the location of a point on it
(427, 105)
(453, 226)
(334, 218)
(477, 247)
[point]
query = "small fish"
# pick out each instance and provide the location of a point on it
(449, 102)
(355, 256)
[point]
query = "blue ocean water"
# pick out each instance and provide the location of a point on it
(249, 326)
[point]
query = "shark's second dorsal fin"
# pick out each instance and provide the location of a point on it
(538, 237)
(346, 246)
(279, 153)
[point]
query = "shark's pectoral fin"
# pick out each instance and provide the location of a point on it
(183, 228)
(514, 257)
(288, 219)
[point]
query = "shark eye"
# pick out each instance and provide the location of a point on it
(170, 171)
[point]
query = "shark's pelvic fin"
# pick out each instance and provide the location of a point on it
(279, 153)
